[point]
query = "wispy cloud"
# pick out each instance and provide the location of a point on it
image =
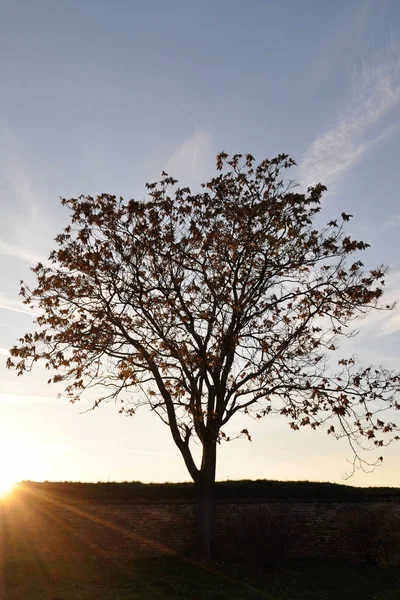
(387, 322)
(23, 399)
(27, 223)
(150, 453)
(125, 450)
(31, 313)
(392, 221)
(17, 172)
(191, 159)
(17, 251)
(376, 91)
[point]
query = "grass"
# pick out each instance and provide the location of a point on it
(87, 577)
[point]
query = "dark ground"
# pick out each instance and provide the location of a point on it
(68, 567)
(87, 577)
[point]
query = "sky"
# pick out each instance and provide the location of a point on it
(100, 96)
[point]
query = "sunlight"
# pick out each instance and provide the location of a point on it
(17, 459)
(8, 468)
(7, 485)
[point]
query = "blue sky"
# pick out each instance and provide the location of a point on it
(100, 96)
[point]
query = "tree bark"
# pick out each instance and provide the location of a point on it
(206, 500)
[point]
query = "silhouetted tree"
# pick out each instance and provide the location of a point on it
(204, 305)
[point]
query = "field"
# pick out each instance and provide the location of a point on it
(55, 555)
(168, 578)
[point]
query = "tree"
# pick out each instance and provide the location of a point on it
(204, 305)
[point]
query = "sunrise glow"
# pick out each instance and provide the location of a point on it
(10, 454)
(20, 459)
(7, 485)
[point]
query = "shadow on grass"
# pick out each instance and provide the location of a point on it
(94, 578)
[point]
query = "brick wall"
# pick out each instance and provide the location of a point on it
(307, 528)
(304, 529)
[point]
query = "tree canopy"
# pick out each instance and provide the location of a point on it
(203, 305)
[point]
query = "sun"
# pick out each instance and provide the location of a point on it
(7, 485)
(9, 469)
(21, 460)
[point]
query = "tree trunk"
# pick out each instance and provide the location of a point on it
(206, 502)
